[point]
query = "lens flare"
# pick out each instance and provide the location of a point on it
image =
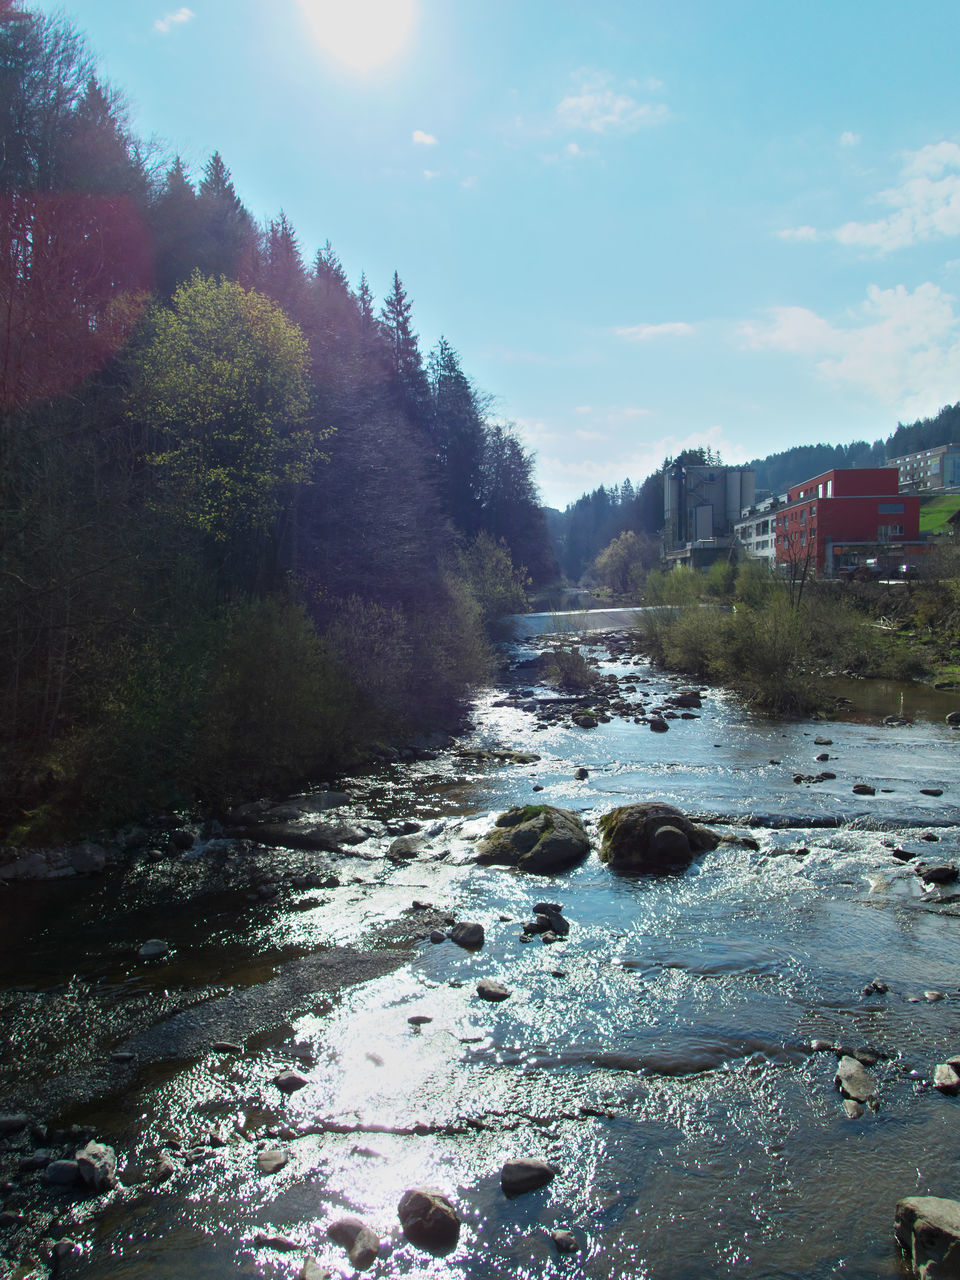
(362, 34)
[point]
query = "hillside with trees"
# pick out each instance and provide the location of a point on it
(246, 527)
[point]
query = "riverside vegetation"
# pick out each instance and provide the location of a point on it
(777, 643)
(247, 531)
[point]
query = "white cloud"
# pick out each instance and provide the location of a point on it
(849, 139)
(925, 205)
(646, 332)
(572, 149)
(901, 348)
(469, 182)
(424, 139)
(596, 106)
(176, 19)
(799, 233)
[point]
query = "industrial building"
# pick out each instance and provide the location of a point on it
(701, 504)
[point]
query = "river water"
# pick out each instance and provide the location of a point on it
(659, 1056)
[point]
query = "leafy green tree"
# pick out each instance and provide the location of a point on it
(622, 563)
(497, 584)
(222, 384)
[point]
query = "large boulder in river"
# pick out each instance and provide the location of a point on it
(928, 1231)
(652, 836)
(537, 838)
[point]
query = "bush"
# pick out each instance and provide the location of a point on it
(677, 586)
(278, 708)
(497, 585)
(568, 669)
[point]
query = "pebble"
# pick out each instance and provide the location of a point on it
(437, 935)
(272, 1160)
(487, 989)
(289, 1081)
(419, 1019)
(154, 949)
(853, 1109)
(281, 1243)
(519, 1176)
(362, 1244)
(565, 1241)
(226, 1046)
(946, 1079)
(468, 934)
(933, 996)
(429, 1219)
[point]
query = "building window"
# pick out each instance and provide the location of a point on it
(890, 509)
(890, 531)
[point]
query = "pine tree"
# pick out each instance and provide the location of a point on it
(410, 381)
(227, 231)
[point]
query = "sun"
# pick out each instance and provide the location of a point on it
(362, 34)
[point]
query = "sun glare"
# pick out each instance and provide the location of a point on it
(362, 34)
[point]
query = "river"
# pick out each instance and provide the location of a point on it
(660, 1056)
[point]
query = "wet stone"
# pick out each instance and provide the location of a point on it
(520, 1176)
(946, 1079)
(154, 949)
(361, 1243)
(429, 1219)
(468, 934)
(854, 1081)
(564, 1241)
(854, 1110)
(272, 1160)
(487, 989)
(289, 1081)
(62, 1173)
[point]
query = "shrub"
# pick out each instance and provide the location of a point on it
(568, 669)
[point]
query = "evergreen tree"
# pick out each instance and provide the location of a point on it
(457, 431)
(411, 390)
(176, 228)
(226, 228)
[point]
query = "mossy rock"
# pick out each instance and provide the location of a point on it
(537, 838)
(652, 836)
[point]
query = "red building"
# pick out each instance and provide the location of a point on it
(843, 519)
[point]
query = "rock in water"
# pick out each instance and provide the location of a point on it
(98, 1166)
(520, 1176)
(312, 1270)
(928, 1231)
(289, 1081)
(946, 1079)
(565, 1241)
(538, 838)
(429, 1220)
(153, 949)
(652, 837)
(362, 1244)
(272, 1160)
(854, 1081)
(468, 934)
(487, 989)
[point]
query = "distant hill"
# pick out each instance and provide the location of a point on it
(778, 471)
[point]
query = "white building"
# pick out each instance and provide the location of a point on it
(937, 468)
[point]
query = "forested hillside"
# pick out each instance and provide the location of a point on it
(245, 526)
(778, 471)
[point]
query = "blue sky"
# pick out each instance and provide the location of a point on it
(644, 225)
